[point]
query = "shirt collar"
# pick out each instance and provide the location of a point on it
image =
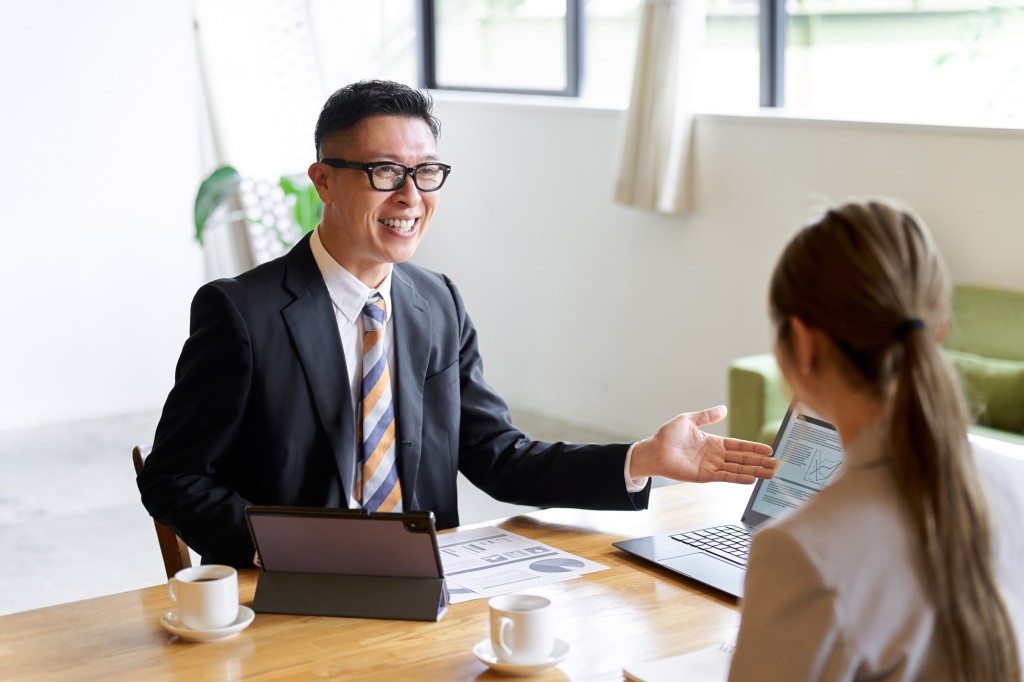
(347, 292)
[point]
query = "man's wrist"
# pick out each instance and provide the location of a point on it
(633, 485)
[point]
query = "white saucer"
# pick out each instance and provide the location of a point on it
(171, 623)
(485, 654)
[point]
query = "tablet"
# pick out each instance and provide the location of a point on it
(345, 541)
(349, 563)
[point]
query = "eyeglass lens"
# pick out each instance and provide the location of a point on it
(390, 176)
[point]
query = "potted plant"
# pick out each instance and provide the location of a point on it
(284, 211)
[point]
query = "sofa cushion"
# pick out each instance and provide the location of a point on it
(987, 322)
(994, 389)
(756, 395)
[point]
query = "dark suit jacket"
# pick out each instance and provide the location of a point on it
(261, 413)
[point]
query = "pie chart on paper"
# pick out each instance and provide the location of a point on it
(560, 565)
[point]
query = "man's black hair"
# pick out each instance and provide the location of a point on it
(352, 103)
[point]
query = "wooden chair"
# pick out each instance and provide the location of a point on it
(173, 549)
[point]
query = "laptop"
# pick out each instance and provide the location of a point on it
(809, 454)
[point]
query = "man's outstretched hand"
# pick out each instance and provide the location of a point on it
(681, 451)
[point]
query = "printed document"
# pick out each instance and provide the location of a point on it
(484, 562)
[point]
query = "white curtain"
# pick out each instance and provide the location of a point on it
(655, 171)
(263, 88)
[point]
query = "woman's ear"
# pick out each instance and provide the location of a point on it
(806, 347)
(943, 330)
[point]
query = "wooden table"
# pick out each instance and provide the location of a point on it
(630, 612)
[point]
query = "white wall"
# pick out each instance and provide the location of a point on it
(589, 311)
(619, 319)
(99, 163)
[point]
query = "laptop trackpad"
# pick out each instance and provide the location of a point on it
(715, 572)
(656, 547)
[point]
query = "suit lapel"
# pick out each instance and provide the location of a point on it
(314, 332)
(412, 339)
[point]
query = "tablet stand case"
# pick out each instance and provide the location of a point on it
(349, 594)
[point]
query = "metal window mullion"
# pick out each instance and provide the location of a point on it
(773, 52)
(427, 43)
(574, 19)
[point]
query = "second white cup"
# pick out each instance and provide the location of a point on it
(522, 628)
(206, 596)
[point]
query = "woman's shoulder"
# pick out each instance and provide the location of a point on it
(844, 522)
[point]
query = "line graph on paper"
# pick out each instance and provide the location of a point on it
(820, 470)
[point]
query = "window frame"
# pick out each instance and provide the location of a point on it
(426, 16)
(773, 21)
(771, 47)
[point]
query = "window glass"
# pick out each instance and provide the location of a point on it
(912, 60)
(501, 44)
(610, 35)
(360, 40)
(729, 72)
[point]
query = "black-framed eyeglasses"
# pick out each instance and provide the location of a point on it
(388, 176)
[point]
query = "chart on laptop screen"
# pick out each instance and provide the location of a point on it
(809, 454)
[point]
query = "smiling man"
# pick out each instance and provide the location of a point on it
(341, 375)
(368, 226)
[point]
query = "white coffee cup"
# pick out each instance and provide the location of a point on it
(521, 628)
(206, 596)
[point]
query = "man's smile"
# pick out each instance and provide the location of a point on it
(400, 226)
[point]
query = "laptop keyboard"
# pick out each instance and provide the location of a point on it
(731, 543)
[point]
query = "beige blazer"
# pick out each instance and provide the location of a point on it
(835, 590)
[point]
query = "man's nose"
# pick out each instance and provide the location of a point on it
(409, 193)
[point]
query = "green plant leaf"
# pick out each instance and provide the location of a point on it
(289, 186)
(308, 208)
(213, 191)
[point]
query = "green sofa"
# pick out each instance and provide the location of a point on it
(985, 343)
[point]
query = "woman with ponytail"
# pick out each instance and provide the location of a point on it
(888, 573)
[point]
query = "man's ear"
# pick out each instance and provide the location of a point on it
(318, 175)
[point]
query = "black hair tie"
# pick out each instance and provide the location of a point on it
(906, 326)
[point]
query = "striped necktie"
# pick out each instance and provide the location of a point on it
(378, 486)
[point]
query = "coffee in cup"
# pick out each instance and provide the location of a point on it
(206, 596)
(521, 628)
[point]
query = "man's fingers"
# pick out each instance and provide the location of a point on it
(737, 445)
(711, 415)
(750, 466)
(751, 459)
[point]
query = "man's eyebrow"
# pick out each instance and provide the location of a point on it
(431, 156)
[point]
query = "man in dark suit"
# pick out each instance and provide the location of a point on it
(267, 405)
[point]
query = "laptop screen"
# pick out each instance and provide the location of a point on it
(809, 454)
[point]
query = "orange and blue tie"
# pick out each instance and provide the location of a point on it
(379, 488)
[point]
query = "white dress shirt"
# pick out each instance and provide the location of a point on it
(349, 295)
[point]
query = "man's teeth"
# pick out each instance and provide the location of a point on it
(401, 225)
